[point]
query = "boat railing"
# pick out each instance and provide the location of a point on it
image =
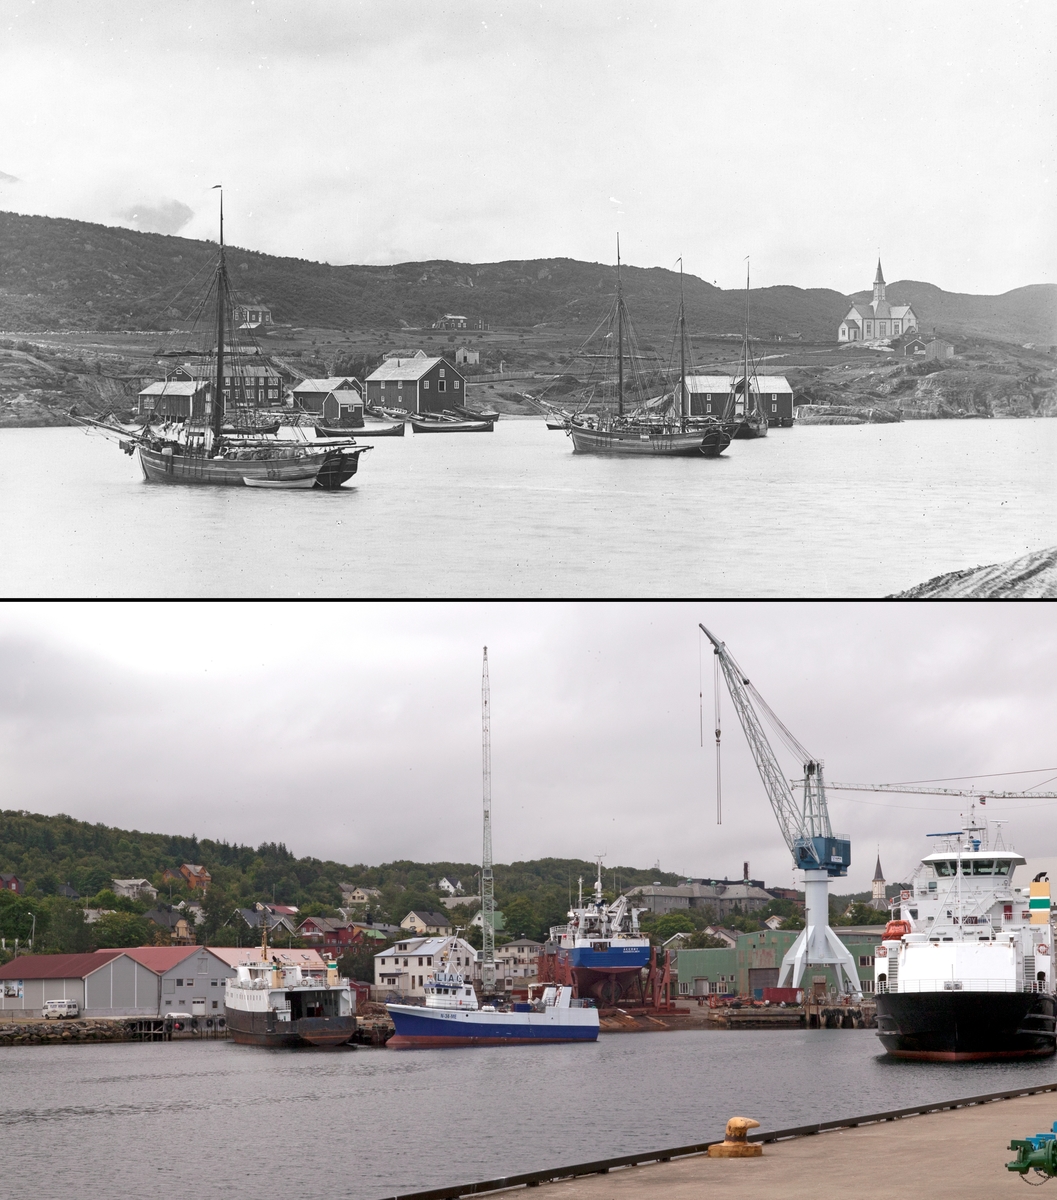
(956, 985)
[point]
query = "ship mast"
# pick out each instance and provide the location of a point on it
(487, 882)
(682, 346)
(620, 338)
(218, 390)
(745, 343)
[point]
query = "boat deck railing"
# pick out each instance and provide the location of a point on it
(962, 985)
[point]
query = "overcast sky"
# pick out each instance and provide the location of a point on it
(353, 731)
(810, 135)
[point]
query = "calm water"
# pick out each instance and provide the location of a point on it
(816, 511)
(194, 1119)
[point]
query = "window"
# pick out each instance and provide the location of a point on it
(383, 385)
(440, 385)
(179, 983)
(400, 385)
(420, 981)
(441, 372)
(865, 960)
(425, 385)
(429, 962)
(213, 983)
(455, 385)
(867, 985)
(214, 1003)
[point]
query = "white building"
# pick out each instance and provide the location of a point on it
(134, 889)
(518, 960)
(403, 969)
(877, 319)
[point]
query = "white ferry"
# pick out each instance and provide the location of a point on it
(966, 971)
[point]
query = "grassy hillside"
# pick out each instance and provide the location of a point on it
(64, 274)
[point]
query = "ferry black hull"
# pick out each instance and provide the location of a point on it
(962, 1026)
(262, 1029)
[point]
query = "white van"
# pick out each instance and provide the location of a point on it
(61, 1008)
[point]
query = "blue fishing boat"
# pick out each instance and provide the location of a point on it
(451, 1016)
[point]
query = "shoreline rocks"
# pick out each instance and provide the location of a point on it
(1030, 577)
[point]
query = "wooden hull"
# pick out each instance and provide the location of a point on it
(377, 431)
(694, 443)
(753, 427)
(452, 426)
(471, 415)
(262, 1029)
(325, 467)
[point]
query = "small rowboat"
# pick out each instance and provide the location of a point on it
(451, 426)
(470, 414)
(557, 423)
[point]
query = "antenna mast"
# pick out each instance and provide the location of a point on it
(487, 883)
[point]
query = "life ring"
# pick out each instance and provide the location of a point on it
(1042, 948)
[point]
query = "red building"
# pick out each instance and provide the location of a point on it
(12, 883)
(416, 385)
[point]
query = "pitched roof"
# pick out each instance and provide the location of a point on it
(405, 368)
(723, 383)
(430, 918)
(423, 945)
(878, 875)
(57, 966)
(174, 387)
(160, 958)
(331, 384)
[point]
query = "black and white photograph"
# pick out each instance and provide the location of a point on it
(433, 900)
(737, 300)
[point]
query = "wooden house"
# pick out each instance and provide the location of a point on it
(416, 385)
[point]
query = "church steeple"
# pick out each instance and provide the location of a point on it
(878, 285)
(878, 898)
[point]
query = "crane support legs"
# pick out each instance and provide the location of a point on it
(818, 945)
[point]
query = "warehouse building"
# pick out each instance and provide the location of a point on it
(712, 396)
(756, 962)
(416, 385)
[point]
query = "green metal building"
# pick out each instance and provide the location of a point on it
(755, 963)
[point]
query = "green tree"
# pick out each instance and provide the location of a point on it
(68, 931)
(120, 929)
(859, 913)
(521, 918)
(661, 928)
(16, 917)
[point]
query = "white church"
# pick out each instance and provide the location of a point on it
(869, 322)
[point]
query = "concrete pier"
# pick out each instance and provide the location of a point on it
(956, 1153)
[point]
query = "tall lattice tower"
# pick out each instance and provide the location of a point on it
(487, 883)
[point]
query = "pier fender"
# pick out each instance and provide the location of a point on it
(735, 1144)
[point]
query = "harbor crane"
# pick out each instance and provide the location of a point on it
(488, 970)
(805, 825)
(912, 789)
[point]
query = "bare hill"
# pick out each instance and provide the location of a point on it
(64, 274)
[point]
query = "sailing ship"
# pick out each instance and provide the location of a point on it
(966, 970)
(203, 449)
(452, 1016)
(269, 1003)
(628, 421)
(745, 406)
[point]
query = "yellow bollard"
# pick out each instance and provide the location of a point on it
(735, 1144)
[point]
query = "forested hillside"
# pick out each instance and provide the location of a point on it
(48, 852)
